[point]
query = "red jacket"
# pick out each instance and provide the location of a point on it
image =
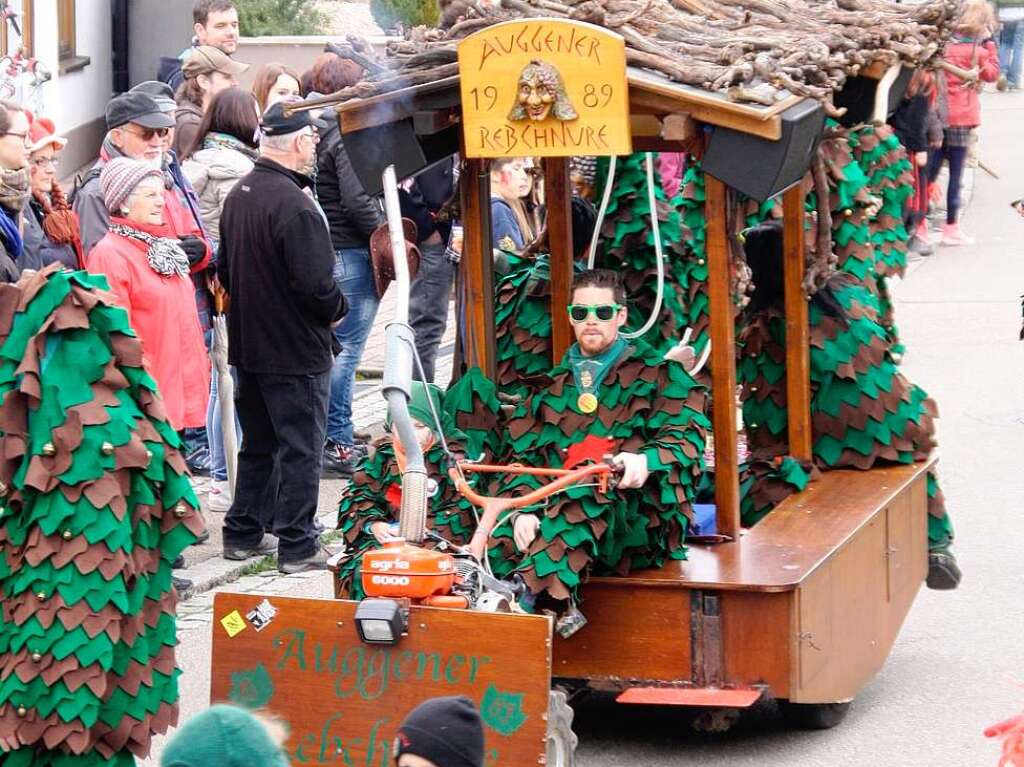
(162, 311)
(964, 106)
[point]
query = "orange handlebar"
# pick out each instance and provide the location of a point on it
(564, 478)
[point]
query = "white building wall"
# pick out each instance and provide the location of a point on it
(74, 98)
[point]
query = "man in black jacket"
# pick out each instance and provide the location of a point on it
(352, 215)
(276, 262)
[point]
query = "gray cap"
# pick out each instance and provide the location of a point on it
(136, 108)
(161, 93)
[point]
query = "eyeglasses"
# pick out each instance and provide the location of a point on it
(42, 162)
(147, 134)
(22, 136)
(604, 312)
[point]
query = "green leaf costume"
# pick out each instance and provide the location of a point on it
(96, 504)
(469, 418)
(644, 406)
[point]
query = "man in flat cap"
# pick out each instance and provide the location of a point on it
(276, 261)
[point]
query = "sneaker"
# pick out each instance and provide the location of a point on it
(943, 571)
(268, 545)
(198, 462)
(315, 561)
(952, 235)
(923, 233)
(181, 585)
(219, 497)
(919, 247)
(342, 460)
(178, 563)
(203, 536)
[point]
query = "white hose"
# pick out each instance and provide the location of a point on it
(605, 199)
(659, 256)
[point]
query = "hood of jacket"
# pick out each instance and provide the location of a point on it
(215, 163)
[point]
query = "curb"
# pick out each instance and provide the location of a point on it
(216, 571)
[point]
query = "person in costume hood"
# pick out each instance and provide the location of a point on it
(370, 503)
(853, 375)
(609, 397)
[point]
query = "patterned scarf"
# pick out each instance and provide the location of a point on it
(165, 255)
(215, 140)
(14, 188)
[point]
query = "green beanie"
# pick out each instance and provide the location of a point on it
(419, 405)
(223, 736)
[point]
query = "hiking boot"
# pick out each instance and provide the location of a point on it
(181, 585)
(219, 497)
(179, 563)
(315, 561)
(342, 460)
(943, 571)
(268, 545)
(953, 235)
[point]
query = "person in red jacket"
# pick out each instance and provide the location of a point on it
(970, 50)
(149, 272)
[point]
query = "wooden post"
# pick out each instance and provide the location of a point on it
(798, 380)
(723, 361)
(478, 266)
(558, 196)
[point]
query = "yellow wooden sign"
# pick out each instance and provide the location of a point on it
(544, 88)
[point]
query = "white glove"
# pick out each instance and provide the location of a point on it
(525, 530)
(684, 354)
(634, 470)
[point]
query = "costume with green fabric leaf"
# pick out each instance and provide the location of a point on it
(468, 413)
(863, 410)
(96, 505)
(641, 406)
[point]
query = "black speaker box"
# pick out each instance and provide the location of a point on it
(858, 97)
(371, 150)
(761, 168)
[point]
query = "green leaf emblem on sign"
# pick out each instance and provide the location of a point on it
(502, 711)
(253, 688)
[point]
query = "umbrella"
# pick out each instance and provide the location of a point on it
(226, 395)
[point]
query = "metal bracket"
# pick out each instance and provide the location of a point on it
(708, 654)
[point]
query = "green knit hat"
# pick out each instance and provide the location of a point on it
(419, 405)
(225, 736)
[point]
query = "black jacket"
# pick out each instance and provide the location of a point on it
(351, 212)
(277, 264)
(910, 122)
(430, 190)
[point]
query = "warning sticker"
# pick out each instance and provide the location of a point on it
(233, 623)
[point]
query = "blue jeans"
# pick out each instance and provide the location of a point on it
(428, 305)
(354, 276)
(218, 458)
(1011, 51)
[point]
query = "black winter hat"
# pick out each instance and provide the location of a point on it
(446, 731)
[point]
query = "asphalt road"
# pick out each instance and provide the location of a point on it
(958, 664)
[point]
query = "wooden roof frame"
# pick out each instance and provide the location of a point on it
(653, 101)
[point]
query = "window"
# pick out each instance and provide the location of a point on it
(66, 29)
(9, 40)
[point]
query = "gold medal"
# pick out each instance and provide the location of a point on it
(587, 402)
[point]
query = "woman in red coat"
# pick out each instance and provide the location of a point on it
(149, 272)
(972, 51)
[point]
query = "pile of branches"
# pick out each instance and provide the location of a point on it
(753, 51)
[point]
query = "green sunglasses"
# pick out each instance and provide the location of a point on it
(604, 312)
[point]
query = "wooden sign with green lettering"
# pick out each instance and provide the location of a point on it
(544, 88)
(302, 660)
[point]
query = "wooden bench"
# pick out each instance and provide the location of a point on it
(806, 604)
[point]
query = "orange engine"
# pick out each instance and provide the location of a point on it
(399, 570)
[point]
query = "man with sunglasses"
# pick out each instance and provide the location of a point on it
(138, 128)
(610, 398)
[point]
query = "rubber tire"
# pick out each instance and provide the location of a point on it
(561, 740)
(813, 716)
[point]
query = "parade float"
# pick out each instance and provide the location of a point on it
(771, 101)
